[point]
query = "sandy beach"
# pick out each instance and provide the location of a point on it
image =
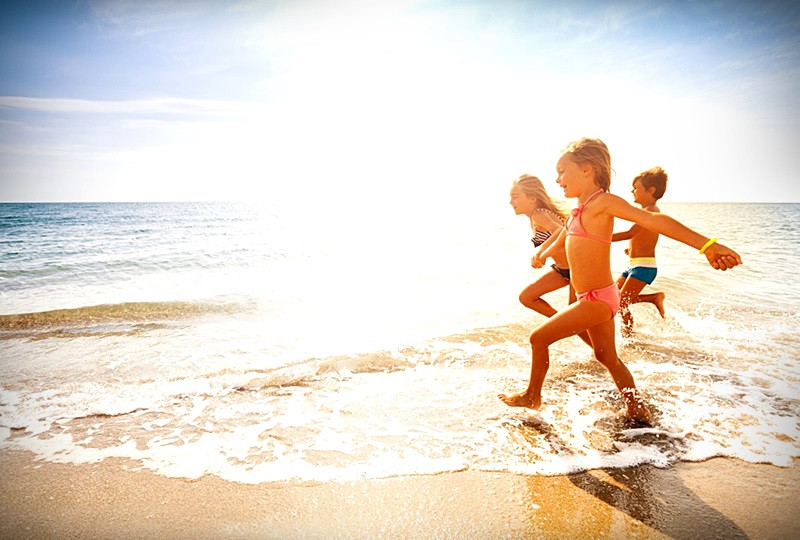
(718, 498)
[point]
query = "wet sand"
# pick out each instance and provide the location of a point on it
(719, 498)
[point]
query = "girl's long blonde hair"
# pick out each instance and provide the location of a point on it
(595, 152)
(533, 187)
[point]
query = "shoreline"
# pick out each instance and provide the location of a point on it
(718, 498)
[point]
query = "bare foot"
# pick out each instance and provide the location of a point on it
(637, 410)
(658, 301)
(521, 400)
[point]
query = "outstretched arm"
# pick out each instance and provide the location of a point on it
(626, 235)
(719, 256)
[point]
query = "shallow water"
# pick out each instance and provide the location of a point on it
(256, 344)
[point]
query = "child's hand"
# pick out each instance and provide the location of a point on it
(721, 257)
(537, 262)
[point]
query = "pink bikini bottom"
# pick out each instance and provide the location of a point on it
(608, 295)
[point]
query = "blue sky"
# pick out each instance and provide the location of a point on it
(255, 100)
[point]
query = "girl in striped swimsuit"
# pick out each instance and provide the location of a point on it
(529, 198)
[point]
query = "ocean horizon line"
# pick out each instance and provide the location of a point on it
(250, 202)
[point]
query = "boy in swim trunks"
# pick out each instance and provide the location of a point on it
(648, 187)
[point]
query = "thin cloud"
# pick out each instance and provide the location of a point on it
(144, 17)
(176, 106)
(76, 152)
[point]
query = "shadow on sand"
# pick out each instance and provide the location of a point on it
(658, 498)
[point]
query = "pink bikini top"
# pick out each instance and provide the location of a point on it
(574, 225)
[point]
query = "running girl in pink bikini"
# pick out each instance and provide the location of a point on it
(584, 172)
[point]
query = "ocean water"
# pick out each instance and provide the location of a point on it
(264, 343)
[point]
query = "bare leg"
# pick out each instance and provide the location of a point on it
(583, 335)
(569, 322)
(606, 352)
(629, 291)
(657, 299)
(531, 295)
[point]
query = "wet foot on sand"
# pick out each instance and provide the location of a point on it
(520, 400)
(639, 412)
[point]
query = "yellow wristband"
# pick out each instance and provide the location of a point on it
(707, 245)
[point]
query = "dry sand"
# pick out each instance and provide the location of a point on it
(719, 498)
